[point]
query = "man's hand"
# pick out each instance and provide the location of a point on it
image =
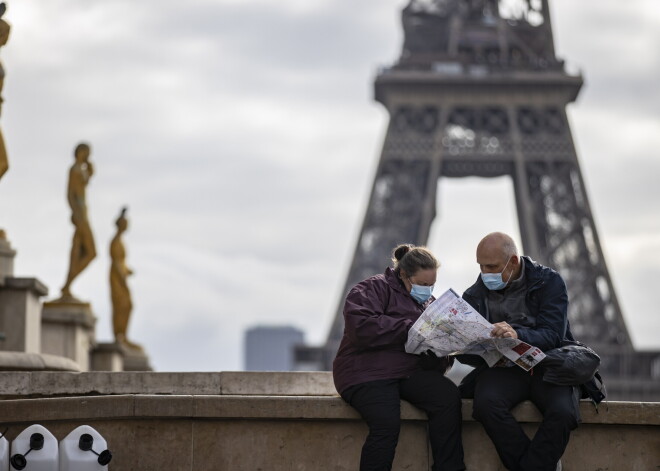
(504, 330)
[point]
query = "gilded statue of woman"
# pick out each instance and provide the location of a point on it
(122, 305)
(4, 37)
(83, 250)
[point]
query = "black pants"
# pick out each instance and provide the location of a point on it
(498, 390)
(379, 404)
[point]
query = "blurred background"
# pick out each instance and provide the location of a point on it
(244, 137)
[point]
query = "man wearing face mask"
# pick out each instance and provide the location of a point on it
(526, 301)
(373, 372)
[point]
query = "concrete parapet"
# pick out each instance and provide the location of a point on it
(129, 382)
(251, 432)
(314, 383)
(281, 421)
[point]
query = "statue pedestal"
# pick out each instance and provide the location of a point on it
(67, 330)
(135, 360)
(20, 314)
(7, 255)
(108, 357)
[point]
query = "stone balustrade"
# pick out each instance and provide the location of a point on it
(281, 421)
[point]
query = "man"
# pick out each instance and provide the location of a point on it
(526, 301)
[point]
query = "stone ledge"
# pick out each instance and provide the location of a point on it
(226, 382)
(68, 408)
(250, 391)
(299, 383)
(274, 408)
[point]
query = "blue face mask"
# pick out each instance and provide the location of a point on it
(494, 281)
(421, 294)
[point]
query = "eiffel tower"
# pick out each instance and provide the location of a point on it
(478, 91)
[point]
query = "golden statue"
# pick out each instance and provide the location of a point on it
(4, 37)
(83, 250)
(122, 305)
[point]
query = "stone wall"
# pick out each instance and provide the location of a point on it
(280, 421)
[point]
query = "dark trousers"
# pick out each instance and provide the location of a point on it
(379, 404)
(498, 390)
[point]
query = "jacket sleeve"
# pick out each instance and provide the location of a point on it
(551, 316)
(366, 322)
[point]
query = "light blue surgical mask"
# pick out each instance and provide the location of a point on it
(420, 293)
(494, 281)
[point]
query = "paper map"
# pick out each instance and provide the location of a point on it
(450, 326)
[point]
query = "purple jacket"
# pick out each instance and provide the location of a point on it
(377, 315)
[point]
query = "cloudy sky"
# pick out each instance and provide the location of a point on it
(244, 137)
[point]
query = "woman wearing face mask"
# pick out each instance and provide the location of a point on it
(373, 372)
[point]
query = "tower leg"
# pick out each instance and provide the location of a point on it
(402, 203)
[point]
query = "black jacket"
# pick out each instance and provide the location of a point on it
(547, 303)
(546, 327)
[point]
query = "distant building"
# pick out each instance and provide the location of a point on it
(271, 348)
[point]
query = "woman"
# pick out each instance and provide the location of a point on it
(120, 294)
(373, 372)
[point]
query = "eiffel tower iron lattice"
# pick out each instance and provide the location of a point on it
(478, 91)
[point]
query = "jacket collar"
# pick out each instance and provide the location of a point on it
(534, 272)
(392, 278)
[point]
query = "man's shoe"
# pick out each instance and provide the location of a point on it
(559, 467)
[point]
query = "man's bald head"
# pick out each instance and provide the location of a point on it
(497, 252)
(498, 242)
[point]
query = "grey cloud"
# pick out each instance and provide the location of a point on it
(246, 159)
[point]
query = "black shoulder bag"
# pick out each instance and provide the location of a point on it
(575, 364)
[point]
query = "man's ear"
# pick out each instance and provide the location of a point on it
(515, 264)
